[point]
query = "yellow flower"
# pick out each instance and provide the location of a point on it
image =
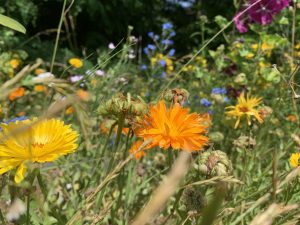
(254, 47)
(28, 141)
(267, 48)
(173, 128)
(249, 55)
(294, 159)
(76, 62)
(245, 107)
(14, 63)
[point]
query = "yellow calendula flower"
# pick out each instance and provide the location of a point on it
(294, 160)
(14, 63)
(76, 62)
(245, 107)
(30, 141)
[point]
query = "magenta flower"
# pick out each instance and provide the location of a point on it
(241, 22)
(261, 13)
(264, 11)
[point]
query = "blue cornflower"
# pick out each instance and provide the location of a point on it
(172, 34)
(144, 67)
(221, 91)
(210, 112)
(167, 26)
(162, 62)
(151, 47)
(172, 52)
(146, 51)
(167, 42)
(156, 37)
(163, 75)
(151, 34)
(205, 102)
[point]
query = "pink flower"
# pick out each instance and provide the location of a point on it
(241, 22)
(264, 11)
(261, 12)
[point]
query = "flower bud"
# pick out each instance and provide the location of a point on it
(214, 163)
(216, 136)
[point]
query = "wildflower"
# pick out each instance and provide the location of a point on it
(292, 118)
(100, 73)
(151, 34)
(32, 141)
(221, 91)
(294, 160)
(171, 52)
(135, 147)
(254, 47)
(43, 76)
(173, 128)
(14, 63)
(83, 95)
(144, 67)
(111, 46)
(16, 93)
(205, 102)
(69, 110)
(76, 78)
(167, 26)
(241, 23)
(167, 42)
(15, 210)
(76, 62)
(39, 88)
(245, 107)
(263, 12)
(250, 55)
(38, 71)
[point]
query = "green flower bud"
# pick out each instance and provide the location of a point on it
(214, 163)
(216, 136)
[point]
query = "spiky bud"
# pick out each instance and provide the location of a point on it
(214, 163)
(176, 95)
(193, 199)
(244, 142)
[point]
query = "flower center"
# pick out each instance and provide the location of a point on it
(37, 145)
(244, 109)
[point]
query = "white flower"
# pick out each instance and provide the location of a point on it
(111, 45)
(16, 209)
(43, 76)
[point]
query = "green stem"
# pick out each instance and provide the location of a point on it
(2, 218)
(58, 35)
(28, 208)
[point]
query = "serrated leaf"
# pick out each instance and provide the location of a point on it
(12, 24)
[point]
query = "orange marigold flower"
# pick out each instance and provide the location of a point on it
(76, 62)
(17, 93)
(39, 88)
(38, 71)
(292, 118)
(69, 110)
(83, 95)
(174, 128)
(135, 147)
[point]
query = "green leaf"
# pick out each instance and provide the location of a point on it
(11, 23)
